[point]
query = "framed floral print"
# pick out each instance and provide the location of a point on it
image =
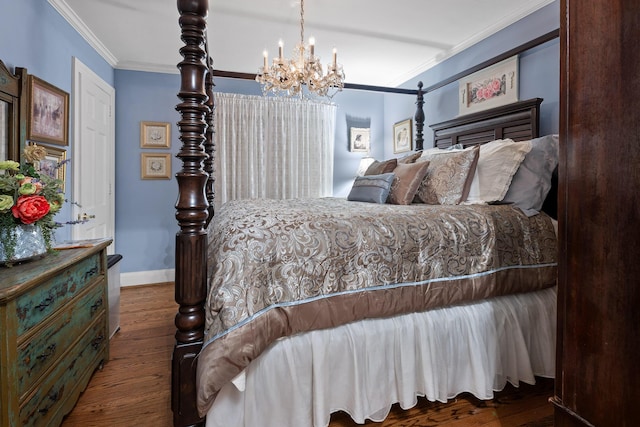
(494, 86)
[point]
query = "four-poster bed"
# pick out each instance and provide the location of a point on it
(195, 272)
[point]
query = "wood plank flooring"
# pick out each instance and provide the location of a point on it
(133, 389)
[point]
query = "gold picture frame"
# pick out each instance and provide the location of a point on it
(48, 116)
(403, 136)
(155, 165)
(53, 165)
(155, 135)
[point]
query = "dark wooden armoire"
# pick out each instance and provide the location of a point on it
(598, 353)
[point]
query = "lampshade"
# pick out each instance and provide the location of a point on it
(365, 162)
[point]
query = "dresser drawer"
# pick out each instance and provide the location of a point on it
(37, 304)
(37, 354)
(65, 380)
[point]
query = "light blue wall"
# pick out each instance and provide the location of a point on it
(539, 70)
(34, 36)
(145, 214)
(355, 109)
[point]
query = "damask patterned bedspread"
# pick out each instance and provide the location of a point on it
(280, 267)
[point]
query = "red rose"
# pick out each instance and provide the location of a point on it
(29, 209)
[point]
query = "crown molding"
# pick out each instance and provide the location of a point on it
(476, 38)
(74, 20)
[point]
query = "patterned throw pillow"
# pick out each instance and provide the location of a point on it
(410, 158)
(371, 188)
(448, 176)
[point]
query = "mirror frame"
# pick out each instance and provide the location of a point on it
(11, 88)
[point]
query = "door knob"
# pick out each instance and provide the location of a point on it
(85, 217)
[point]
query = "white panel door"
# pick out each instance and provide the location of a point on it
(93, 155)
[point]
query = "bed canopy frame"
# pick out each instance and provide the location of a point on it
(194, 206)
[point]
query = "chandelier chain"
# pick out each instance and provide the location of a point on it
(302, 22)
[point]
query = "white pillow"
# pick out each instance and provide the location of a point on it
(498, 162)
(435, 150)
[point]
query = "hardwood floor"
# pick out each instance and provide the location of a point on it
(133, 389)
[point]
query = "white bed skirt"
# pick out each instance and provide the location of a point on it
(365, 367)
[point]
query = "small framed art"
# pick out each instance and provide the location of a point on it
(48, 117)
(494, 86)
(402, 136)
(360, 140)
(155, 135)
(53, 165)
(155, 165)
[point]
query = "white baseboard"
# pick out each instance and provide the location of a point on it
(137, 278)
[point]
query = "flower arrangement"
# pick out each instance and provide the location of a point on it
(27, 197)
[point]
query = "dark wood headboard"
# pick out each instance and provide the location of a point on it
(519, 121)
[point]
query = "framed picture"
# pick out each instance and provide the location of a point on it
(48, 117)
(494, 86)
(155, 135)
(53, 164)
(360, 140)
(155, 165)
(402, 136)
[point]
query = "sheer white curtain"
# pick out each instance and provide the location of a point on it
(269, 147)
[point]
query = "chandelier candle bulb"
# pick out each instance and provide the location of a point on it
(280, 48)
(335, 57)
(312, 42)
(266, 61)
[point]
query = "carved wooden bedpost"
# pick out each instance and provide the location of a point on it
(209, 144)
(191, 213)
(419, 118)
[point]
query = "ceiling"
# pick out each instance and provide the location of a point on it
(378, 43)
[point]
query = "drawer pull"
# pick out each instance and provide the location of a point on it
(45, 303)
(96, 306)
(95, 343)
(50, 351)
(90, 273)
(54, 396)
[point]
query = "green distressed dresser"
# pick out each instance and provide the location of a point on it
(53, 333)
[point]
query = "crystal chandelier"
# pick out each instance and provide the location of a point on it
(287, 76)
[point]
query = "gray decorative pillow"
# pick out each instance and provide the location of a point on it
(532, 181)
(371, 188)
